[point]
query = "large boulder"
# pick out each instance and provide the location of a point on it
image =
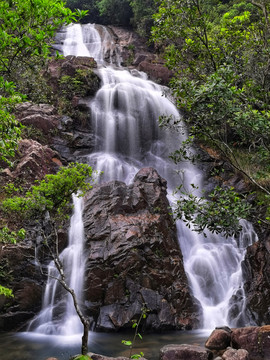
(219, 339)
(42, 117)
(184, 352)
(256, 340)
(134, 257)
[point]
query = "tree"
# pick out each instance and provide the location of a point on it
(117, 12)
(27, 29)
(52, 196)
(220, 57)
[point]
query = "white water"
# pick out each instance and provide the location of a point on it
(124, 115)
(57, 301)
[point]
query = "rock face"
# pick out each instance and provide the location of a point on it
(41, 116)
(19, 270)
(134, 257)
(257, 281)
(34, 162)
(136, 54)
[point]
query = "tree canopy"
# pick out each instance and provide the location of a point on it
(27, 29)
(219, 52)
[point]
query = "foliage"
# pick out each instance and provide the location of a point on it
(135, 325)
(142, 18)
(6, 292)
(10, 129)
(138, 13)
(82, 357)
(52, 194)
(27, 31)
(220, 56)
(117, 12)
(8, 236)
(220, 212)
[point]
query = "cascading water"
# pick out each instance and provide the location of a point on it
(124, 115)
(58, 314)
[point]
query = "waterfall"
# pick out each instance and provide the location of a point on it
(124, 119)
(58, 314)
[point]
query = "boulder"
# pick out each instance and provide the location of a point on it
(134, 257)
(34, 162)
(73, 67)
(184, 352)
(233, 354)
(256, 340)
(219, 339)
(40, 116)
(156, 71)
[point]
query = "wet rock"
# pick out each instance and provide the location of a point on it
(219, 339)
(34, 161)
(135, 53)
(256, 340)
(40, 116)
(184, 352)
(233, 354)
(256, 272)
(156, 71)
(21, 275)
(134, 256)
(74, 67)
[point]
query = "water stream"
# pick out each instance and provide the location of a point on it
(124, 115)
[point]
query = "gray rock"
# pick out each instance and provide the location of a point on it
(184, 352)
(233, 354)
(134, 256)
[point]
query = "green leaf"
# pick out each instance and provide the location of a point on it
(127, 342)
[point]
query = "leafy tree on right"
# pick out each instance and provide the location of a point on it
(219, 52)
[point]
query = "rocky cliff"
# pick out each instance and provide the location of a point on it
(134, 257)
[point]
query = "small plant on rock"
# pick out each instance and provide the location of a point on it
(135, 325)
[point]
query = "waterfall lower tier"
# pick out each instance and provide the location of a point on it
(58, 315)
(124, 120)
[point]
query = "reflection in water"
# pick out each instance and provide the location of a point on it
(39, 347)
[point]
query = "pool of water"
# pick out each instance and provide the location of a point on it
(30, 346)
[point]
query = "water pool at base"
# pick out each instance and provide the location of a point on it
(29, 346)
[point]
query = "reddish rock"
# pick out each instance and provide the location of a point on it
(256, 340)
(35, 161)
(41, 116)
(233, 354)
(185, 352)
(156, 71)
(134, 257)
(219, 339)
